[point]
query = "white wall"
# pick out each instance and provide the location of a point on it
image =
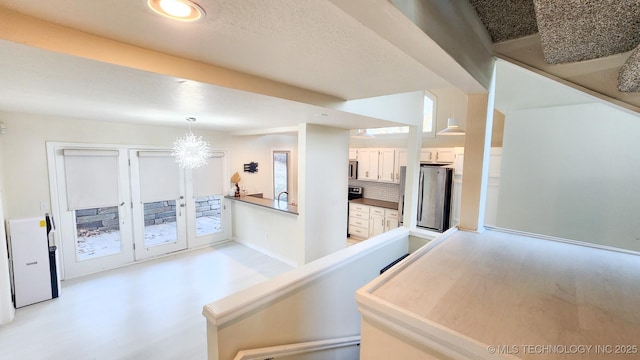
(323, 182)
(23, 164)
(449, 102)
(572, 172)
(258, 148)
(6, 305)
(24, 159)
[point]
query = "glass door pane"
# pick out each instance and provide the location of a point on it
(208, 215)
(160, 227)
(206, 219)
(97, 233)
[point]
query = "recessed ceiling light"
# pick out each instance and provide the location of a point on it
(182, 10)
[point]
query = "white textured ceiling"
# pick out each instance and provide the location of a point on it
(312, 45)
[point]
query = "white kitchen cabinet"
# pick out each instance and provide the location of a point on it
(401, 160)
(358, 220)
(367, 221)
(437, 155)
(386, 162)
(383, 164)
(447, 155)
(368, 164)
(353, 154)
(493, 187)
(456, 187)
(456, 200)
(427, 155)
(376, 164)
(376, 221)
(391, 220)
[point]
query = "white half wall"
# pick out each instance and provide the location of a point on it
(313, 302)
(323, 164)
(269, 231)
(572, 172)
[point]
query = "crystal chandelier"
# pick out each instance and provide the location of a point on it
(191, 151)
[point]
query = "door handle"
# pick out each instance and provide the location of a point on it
(420, 196)
(182, 205)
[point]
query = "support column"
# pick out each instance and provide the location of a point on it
(411, 177)
(476, 162)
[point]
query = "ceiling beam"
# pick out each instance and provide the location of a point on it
(34, 32)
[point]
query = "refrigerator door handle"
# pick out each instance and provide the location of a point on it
(439, 199)
(420, 195)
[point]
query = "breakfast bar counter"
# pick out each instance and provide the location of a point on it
(268, 203)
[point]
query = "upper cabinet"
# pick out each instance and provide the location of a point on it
(386, 162)
(427, 155)
(401, 160)
(368, 164)
(446, 155)
(383, 164)
(376, 164)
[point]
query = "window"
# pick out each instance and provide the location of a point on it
(427, 124)
(281, 174)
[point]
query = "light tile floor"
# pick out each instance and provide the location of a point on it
(150, 310)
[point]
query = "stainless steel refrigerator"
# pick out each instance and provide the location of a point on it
(434, 196)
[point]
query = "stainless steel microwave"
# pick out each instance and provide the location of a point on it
(353, 169)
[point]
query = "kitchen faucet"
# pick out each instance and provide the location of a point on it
(282, 192)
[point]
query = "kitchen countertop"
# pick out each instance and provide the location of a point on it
(377, 203)
(268, 203)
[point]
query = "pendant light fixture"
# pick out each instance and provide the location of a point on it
(452, 128)
(191, 151)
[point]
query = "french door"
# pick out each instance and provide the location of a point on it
(94, 216)
(158, 203)
(119, 204)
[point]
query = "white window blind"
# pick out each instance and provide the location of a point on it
(91, 178)
(207, 180)
(159, 176)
